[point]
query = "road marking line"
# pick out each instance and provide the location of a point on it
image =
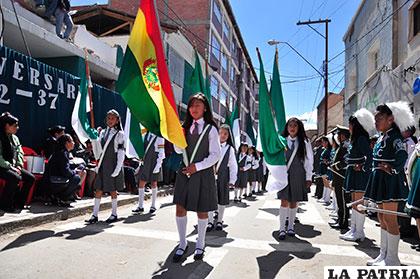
(248, 244)
(212, 259)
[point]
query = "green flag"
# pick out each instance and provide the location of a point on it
(133, 137)
(234, 126)
(250, 131)
(272, 144)
(197, 82)
(277, 96)
(79, 118)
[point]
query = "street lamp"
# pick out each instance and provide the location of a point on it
(273, 42)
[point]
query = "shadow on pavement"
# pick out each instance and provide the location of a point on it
(306, 231)
(368, 247)
(73, 234)
(168, 269)
(136, 218)
(270, 264)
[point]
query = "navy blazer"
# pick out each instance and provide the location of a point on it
(59, 164)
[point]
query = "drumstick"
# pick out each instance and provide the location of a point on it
(354, 203)
(383, 211)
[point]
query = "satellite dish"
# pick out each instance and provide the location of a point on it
(416, 86)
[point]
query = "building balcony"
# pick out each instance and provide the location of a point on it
(44, 44)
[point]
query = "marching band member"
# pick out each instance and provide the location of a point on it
(359, 159)
(386, 186)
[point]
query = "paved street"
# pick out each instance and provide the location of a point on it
(142, 246)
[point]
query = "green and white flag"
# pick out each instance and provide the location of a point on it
(133, 137)
(276, 94)
(250, 131)
(234, 126)
(273, 145)
(79, 118)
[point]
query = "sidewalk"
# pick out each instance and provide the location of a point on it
(39, 213)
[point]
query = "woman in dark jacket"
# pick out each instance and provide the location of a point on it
(63, 181)
(11, 166)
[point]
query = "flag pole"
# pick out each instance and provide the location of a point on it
(92, 118)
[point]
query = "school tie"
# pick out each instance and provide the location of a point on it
(105, 138)
(293, 145)
(195, 130)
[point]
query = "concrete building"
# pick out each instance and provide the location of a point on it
(382, 55)
(211, 26)
(335, 112)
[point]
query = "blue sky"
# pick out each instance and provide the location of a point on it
(276, 19)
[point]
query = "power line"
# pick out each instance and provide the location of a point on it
(370, 31)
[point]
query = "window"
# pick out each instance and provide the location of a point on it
(373, 58)
(223, 97)
(224, 63)
(416, 20)
(216, 10)
(176, 67)
(226, 29)
(215, 47)
(214, 87)
(232, 74)
(233, 47)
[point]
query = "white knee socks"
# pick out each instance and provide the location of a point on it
(211, 217)
(221, 209)
(283, 212)
(154, 197)
(201, 228)
(236, 192)
(114, 206)
(141, 197)
(292, 217)
(97, 203)
(181, 223)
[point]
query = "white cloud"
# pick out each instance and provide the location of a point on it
(309, 119)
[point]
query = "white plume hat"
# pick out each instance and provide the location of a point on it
(403, 117)
(367, 120)
(330, 138)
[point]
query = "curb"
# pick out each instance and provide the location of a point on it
(67, 213)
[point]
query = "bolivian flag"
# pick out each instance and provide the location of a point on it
(144, 81)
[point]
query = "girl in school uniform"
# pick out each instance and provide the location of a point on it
(226, 175)
(260, 172)
(244, 164)
(326, 142)
(299, 159)
(149, 169)
(195, 185)
(252, 175)
(387, 182)
(359, 166)
(110, 150)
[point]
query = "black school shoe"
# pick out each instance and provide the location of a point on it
(210, 227)
(199, 256)
(138, 210)
(113, 218)
(282, 235)
(93, 220)
(177, 258)
(219, 226)
(152, 210)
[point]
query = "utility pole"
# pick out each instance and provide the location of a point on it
(326, 21)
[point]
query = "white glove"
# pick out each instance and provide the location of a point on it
(116, 173)
(120, 162)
